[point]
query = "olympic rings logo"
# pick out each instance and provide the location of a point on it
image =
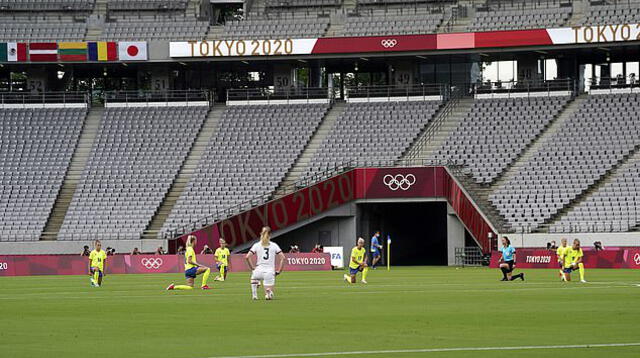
(636, 258)
(389, 43)
(399, 181)
(151, 263)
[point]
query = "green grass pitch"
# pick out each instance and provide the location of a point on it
(315, 312)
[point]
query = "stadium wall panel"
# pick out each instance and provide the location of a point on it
(541, 258)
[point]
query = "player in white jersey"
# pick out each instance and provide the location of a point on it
(265, 266)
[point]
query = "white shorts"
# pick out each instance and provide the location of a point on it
(267, 276)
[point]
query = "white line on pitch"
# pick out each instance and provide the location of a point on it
(435, 350)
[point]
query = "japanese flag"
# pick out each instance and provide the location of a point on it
(132, 51)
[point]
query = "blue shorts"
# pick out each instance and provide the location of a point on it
(191, 273)
(99, 272)
(375, 254)
(567, 270)
(354, 271)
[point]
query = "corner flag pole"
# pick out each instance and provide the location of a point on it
(388, 253)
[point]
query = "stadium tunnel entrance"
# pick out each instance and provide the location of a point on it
(422, 232)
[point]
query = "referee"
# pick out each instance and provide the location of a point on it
(508, 260)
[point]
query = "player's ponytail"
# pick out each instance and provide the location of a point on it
(265, 236)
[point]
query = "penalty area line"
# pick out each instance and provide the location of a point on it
(436, 350)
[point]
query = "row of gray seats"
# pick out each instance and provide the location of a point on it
(520, 19)
(251, 151)
(36, 146)
(495, 131)
(391, 24)
(276, 28)
(135, 157)
(601, 132)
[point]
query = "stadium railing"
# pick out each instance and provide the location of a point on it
(268, 95)
(619, 84)
(414, 91)
(43, 97)
(188, 96)
(290, 188)
(527, 87)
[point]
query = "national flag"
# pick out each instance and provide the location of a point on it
(43, 51)
(72, 51)
(13, 52)
(102, 51)
(132, 51)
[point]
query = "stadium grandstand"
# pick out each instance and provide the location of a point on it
(141, 121)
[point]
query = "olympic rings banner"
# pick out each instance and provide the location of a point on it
(609, 258)
(26, 265)
(360, 183)
(399, 43)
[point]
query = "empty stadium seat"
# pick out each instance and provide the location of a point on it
(36, 146)
(134, 160)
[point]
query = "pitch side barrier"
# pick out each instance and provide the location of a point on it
(27, 265)
(351, 185)
(612, 257)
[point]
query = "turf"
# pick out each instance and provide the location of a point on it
(407, 308)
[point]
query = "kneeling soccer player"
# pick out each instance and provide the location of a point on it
(222, 260)
(192, 268)
(560, 253)
(265, 269)
(508, 261)
(357, 263)
(97, 261)
(573, 261)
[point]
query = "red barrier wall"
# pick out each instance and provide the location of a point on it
(26, 265)
(361, 183)
(541, 258)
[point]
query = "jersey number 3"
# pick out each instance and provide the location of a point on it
(266, 254)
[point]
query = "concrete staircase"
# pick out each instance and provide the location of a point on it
(604, 179)
(438, 130)
(301, 164)
(95, 22)
(455, 20)
(74, 173)
(215, 33)
(186, 171)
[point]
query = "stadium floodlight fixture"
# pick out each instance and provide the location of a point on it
(60, 74)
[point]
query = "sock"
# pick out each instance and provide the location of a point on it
(365, 271)
(96, 275)
(222, 269)
(504, 272)
(581, 270)
(205, 277)
(254, 289)
(514, 277)
(182, 287)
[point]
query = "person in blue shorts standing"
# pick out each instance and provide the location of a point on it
(375, 249)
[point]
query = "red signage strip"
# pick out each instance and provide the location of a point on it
(361, 183)
(375, 44)
(541, 258)
(27, 265)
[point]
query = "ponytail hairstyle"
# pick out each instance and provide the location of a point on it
(265, 236)
(191, 239)
(507, 240)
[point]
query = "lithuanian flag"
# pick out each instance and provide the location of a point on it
(72, 51)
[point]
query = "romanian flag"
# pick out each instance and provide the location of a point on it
(43, 51)
(72, 51)
(102, 51)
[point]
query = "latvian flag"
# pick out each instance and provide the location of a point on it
(72, 51)
(103, 51)
(13, 52)
(43, 51)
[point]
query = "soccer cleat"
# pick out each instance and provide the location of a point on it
(171, 286)
(583, 281)
(504, 279)
(522, 277)
(205, 287)
(255, 298)
(346, 278)
(363, 281)
(217, 278)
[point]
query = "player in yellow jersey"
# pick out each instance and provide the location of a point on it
(192, 268)
(560, 252)
(97, 262)
(573, 261)
(357, 263)
(221, 256)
